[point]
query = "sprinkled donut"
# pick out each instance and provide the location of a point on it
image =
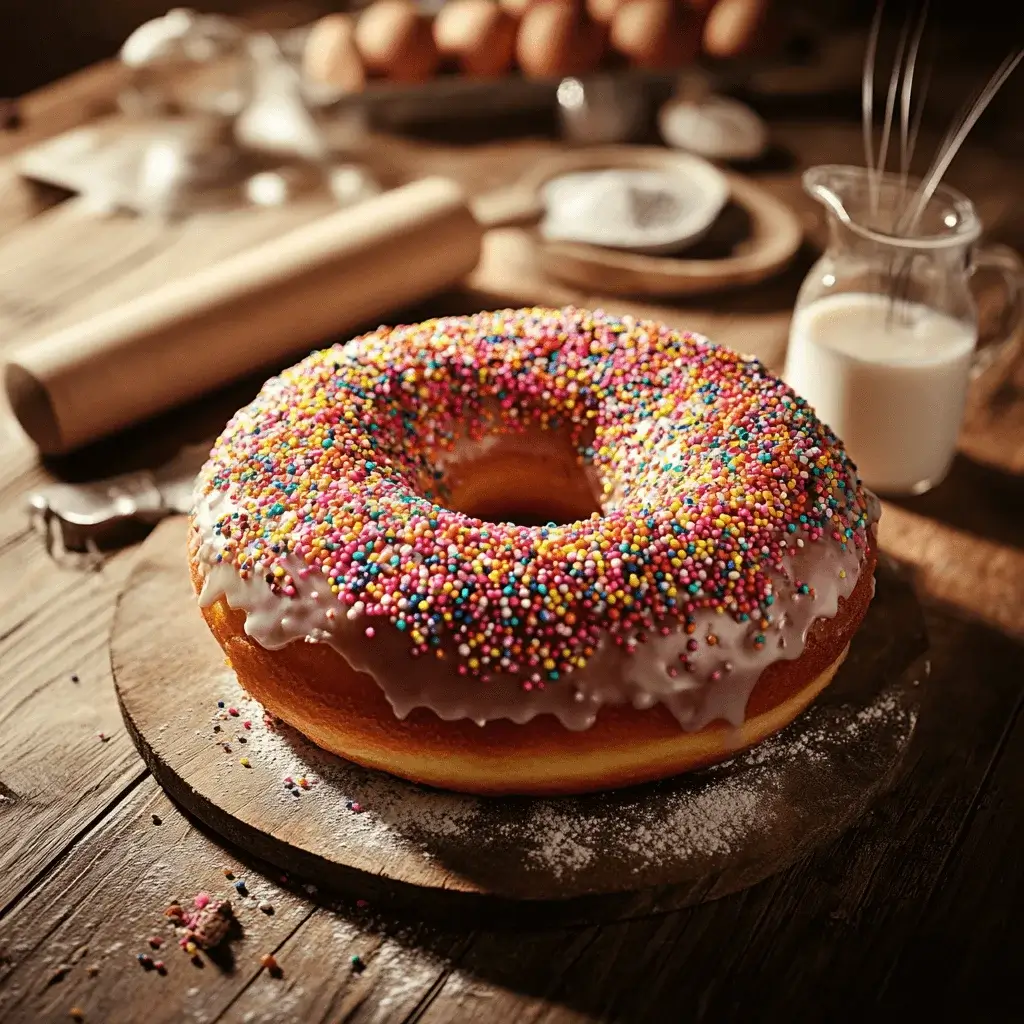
(709, 554)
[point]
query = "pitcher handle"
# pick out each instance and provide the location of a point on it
(1008, 264)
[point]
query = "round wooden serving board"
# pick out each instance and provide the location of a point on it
(613, 854)
(754, 237)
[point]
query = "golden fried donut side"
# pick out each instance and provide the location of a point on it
(312, 688)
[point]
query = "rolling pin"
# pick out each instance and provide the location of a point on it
(254, 310)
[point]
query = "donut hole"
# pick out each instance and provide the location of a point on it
(531, 478)
(529, 508)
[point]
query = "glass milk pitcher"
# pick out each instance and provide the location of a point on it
(884, 338)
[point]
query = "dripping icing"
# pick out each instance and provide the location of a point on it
(635, 673)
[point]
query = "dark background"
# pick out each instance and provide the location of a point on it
(42, 40)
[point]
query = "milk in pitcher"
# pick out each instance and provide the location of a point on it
(890, 380)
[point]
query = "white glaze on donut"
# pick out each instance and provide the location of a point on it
(612, 676)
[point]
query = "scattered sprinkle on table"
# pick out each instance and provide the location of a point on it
(206, 926)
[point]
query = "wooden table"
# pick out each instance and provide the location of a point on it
(920, 901)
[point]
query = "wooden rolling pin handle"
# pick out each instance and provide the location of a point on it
(254, 310)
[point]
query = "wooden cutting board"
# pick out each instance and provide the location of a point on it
(373, 836)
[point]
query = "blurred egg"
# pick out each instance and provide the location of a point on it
(603, 10)
(517, 8)
(478, 34)
(330, 56)
(395, 40)
(733, 26)
(655, 34)
(556, 39)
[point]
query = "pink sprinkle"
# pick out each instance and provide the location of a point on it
(247, 725)
(370, 631)
(233, 712)
(202, 900)
(357, 808)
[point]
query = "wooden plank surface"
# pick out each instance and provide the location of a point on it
(921, 897)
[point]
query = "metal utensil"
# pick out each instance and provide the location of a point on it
(90, 516)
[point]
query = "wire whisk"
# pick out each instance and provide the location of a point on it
(901, 215)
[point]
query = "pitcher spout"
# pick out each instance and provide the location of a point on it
(826, 184)
(891, 209)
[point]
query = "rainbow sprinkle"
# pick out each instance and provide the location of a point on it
(713, 470)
